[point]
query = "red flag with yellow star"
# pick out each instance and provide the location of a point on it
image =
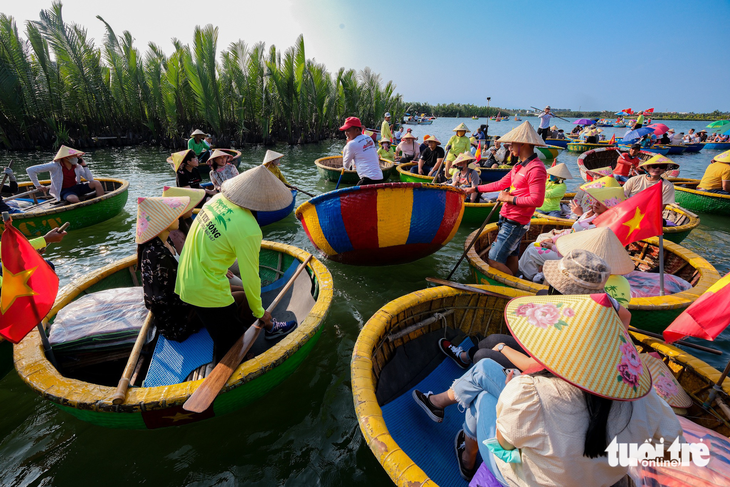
(29, 286)
(636, 218)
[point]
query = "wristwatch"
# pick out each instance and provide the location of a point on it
(500, 347)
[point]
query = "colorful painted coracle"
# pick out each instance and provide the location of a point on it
(602, 159)
(410, 447)
(43, 214)
(88, 371)
(649, 311)
(486, 175)
(383, 224)
(687, 195)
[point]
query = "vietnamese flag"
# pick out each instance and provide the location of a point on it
(29, 285)
(478, 154)
(613, 139)
(650, 110)
(705, 318)
(629, 111)
(636, 218)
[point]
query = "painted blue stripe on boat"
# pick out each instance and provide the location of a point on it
(333, 227)
(428, 211)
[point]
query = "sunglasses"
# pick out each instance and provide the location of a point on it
(663, 167)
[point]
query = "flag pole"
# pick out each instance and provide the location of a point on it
(661, 264)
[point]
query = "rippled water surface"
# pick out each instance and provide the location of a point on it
(305, 431)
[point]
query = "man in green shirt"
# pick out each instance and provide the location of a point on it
(224, 231)
(197, 144)
(385, 133)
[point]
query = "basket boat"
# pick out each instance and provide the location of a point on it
(558, 142)
(607, 156)
(685, 221)
(414, 452)
(330, 168)
(44, 217)
(650, 313)
(156, 407)
(486, 174)
(584, 146)
(675, 149)
(717, 145)
(548, 153)
(687, 195)
(696, 147)
(264, 218)
(383, 224)
(204, 169)
(655, 149)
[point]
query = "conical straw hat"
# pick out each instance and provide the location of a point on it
(665, 384)
(560, 171)
(257, 189)
(461, 126)
(524, 134)
(602, 242)
(433, 138)
(464, 157)
(610, 197)
(409, 135)
(64, 151)
(660, 159)
(581, 339)
(272, 156)
(218, 153)
(197, 132)
(154, 215)
(195, 195)
(178, 157)
(605, 182)
(724, 157)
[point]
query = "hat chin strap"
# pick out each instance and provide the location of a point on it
(566, 273)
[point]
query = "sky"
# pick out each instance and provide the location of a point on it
(670, 55)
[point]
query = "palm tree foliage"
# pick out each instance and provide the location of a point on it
(56, 81)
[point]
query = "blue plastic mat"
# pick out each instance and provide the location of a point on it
(173, 361)
(281, 282)
(430, 445)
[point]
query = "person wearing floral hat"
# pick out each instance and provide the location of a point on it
(360, 152)
(157, 258)
(67, 170)
(551, 425)
(655, 168)
(185, 221)
(221, 168)
(457, 144)
(224, 231)
(717, 175)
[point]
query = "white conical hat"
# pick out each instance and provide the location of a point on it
(257, 189)
(271, 156)
(197, 132)
(64, 151)
(461, 126)
(602, 242)
(218, 153)
(560, 171)
(524, 134)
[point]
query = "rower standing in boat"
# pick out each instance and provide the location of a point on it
(224, 231)
(655, 167)
(221, 168)
(361, 153)
(157, 258)
(385, 133)
(627, 164)
(717, 175)
(522, 191)
(67, 170)
(544, 129)
(457, 144)
(197, 144)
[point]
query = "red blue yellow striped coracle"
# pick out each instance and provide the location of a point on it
(383, 224)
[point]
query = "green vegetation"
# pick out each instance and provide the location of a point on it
(57, 87)
(456, 109)
(611, 114)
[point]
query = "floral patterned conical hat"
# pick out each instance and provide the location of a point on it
(65, 151)
(581, 339)
(154, 215)
(665, 384)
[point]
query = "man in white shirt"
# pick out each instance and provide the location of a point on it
(544, 129)
(361, 152)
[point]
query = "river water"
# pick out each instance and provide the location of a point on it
(305, 431)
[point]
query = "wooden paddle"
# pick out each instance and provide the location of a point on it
(342, 173)
(471, 244)
(204, 395)
(437, 168)
(561, 118)
(20, 195)
(300, 190)
(121, 394)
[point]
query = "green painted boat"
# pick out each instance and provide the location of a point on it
(651, 314)
(330, 168)
(687, 195)
(43, 217)
(204, 169)
(156, 407)
(583, 146)
(486, 175)
(549, 153)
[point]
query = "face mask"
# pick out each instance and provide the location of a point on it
(73, 160)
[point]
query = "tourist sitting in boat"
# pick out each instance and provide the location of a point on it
(187, 175)
(361, 153)
(655, 168)
(466, 175)
(474, 145)
(717, 175)
(627, 164)
(665, 139)
(185, 221)
(386, 151)
(590, 135)
(11, 206)
(479, 134)
(560, 135)
(576, 130)
(408, 149)
(224, 231)
(398, 134)
(67, 170)
(221, 168)
(555, 189)
(197, 144)
(553, 132)
(703, 135)
(157, 257)
(691, 137)
(552, 425)
(675, 139)
(522, 190)
(457, 144)
(431, 158)
(272, 161)
(424, 145)
(497, 154)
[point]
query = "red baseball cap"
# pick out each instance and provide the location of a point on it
(351, 122)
